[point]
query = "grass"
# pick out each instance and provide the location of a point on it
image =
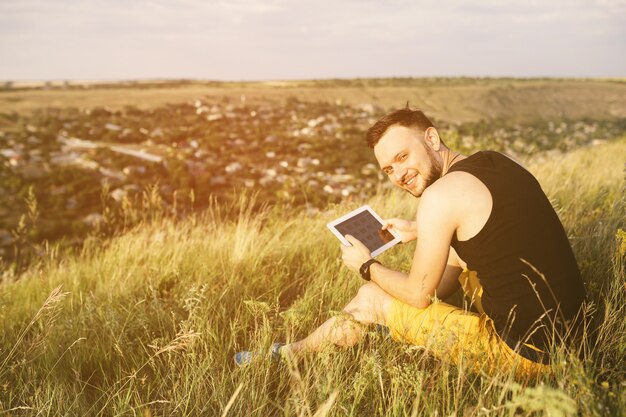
(147, 323)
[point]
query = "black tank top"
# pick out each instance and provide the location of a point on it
(522, 241)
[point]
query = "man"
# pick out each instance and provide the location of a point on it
(483, 213)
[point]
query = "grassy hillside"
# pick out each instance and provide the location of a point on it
(452, 100)
(147, 323)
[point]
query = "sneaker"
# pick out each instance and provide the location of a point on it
(383, 330)
(245, 358)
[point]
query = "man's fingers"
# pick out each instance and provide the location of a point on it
(388, 223)
(354, 241)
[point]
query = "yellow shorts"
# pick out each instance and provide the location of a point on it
(460, 336)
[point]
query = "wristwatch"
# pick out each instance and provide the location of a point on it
(364, 270)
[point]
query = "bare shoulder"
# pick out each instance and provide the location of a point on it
(440, 198)
(455, 187)
(458, 196)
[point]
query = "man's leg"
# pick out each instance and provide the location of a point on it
(448, 332)
(370, 306)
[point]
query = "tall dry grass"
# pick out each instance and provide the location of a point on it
(148, 323)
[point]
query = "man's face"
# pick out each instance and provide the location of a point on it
(409, 162)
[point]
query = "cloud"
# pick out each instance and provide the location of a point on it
(299, 39)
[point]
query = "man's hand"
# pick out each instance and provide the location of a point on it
(356, 255)
(407, 230)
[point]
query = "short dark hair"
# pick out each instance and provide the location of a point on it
(403, 117)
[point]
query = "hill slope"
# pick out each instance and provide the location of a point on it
(452, 100)
(149, 322)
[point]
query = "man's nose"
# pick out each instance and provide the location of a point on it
(399, 173)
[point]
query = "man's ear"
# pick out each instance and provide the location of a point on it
(431, 136)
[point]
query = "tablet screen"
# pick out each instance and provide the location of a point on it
(365, 225)
(367, 229)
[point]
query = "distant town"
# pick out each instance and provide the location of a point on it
(84, 164)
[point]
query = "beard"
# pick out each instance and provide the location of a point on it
(435, 169)
(432, 175)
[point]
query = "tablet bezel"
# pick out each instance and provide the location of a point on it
(376, 252)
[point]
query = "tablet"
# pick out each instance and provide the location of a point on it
(365, 225)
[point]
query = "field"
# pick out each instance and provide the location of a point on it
(454, 100)
(141, 314)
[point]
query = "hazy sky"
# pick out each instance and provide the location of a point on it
(282, 39)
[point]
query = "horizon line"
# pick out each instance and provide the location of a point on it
(96, 81)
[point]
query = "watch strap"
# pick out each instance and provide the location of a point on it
(364, 270)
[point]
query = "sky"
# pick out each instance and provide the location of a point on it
(309, 39)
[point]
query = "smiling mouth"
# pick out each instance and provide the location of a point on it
(411, 181)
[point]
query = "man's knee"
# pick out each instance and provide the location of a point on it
(366, 306)
(369, 291)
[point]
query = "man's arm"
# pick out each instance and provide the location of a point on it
(449, 283)
(450, 280)
(436, 223)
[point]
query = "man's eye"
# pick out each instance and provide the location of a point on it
(402, 157)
